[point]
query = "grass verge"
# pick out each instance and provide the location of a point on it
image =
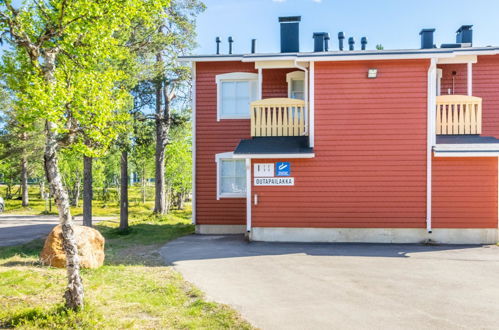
(132, 290)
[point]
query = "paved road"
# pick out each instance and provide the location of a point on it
(17, 229)
(344, 286)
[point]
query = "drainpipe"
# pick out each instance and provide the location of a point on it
(307, 121)
(431, 138)
(248, 197)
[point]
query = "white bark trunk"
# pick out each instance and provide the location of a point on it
(74, 289)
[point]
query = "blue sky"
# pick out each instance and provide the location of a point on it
(393, 23)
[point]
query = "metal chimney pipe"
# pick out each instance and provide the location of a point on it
(319, 41)
(290, 34)
(230, 44)
(218, 41)
(464, 35)
(253, 46)
(363, 42)
(341, 37)
(427, 38)
(351, 43)
(326, 42)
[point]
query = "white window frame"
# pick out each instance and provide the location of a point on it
(295, 75)
(233, 77)
(218, 160)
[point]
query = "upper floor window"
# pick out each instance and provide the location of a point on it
(296, 85)
(235, 92)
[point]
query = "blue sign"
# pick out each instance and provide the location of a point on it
(283, 169)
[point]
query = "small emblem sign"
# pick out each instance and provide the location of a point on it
(283, 169)
(263, 170)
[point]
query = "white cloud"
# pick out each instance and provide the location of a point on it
(317, 1)
(280, 0)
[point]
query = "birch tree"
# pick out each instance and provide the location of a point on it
(68, 52)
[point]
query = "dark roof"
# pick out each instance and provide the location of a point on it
(465, 139)
(274, 145)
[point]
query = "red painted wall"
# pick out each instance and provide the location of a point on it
(486, 86)
(460, 79)
(370, 165)
(214, 137)
(274, 83)
(464, 192)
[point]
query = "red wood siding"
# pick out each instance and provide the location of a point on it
(464, 193)
(274, 83)
(486, 86)
(460, 79)
(214, 137)
(370, 165)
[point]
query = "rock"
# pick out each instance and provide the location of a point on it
(90, 248)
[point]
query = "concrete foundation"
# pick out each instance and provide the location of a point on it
(376, 235)
(220, 229)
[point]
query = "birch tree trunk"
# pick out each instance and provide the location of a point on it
(74, 290)
(24, 181)
(163, 122)
(161, 135)
(124, 191)
(87, 191)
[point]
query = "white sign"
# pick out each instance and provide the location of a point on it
(264, 170)
(281, 181)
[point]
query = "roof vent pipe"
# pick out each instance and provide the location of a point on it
(218, 41)
(230, 44)
(351, 43)
(319, 41)
(464, 35)
(427, 38)
(326, 42)
(341, 37)
(363, 42)
(253, 46)
(290, 31)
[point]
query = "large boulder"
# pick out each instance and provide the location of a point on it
(90, 248)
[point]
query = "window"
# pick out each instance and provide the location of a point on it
(296, 85)
(235, 92)
(231, 176)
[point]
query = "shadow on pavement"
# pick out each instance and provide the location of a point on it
(200, 247)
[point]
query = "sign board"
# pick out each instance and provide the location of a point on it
(263, 170)
(283, 169)
(274, 181)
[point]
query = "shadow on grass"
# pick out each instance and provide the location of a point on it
(30, 250)
(54, 317)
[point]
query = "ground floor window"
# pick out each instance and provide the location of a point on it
(231, 176)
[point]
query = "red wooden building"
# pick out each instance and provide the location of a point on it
(348, 145)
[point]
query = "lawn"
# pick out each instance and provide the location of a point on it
(134, 289)
(100, 207)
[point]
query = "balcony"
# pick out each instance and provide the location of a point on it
(278, 117)
(458, 115)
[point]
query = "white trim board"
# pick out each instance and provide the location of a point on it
(466, 153)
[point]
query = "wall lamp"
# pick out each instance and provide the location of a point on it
(372, 73)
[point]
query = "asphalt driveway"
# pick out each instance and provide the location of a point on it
(18, 229)
(344, 286)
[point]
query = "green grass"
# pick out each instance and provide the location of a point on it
(100, 208)
(134, 289)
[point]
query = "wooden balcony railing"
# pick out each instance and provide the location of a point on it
(279, 117)
(459, 114)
